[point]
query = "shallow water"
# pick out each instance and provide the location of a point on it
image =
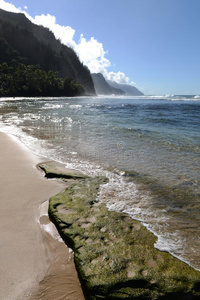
(149, 147)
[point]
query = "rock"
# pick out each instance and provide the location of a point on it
(56, 170)
(114, 254)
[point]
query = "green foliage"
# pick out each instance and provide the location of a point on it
(18, 79)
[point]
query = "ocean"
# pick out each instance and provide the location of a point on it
(148, 147)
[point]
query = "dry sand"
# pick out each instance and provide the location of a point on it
(33, 264)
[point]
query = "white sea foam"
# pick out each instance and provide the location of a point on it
(126, 197)
(49, 227)
(75, 106)
(52, 106)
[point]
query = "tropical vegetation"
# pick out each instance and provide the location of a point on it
(18, 79)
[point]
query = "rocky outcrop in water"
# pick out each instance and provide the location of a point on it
(114, 254)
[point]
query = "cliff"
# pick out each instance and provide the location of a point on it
(23, 41)
(102, 87)
(108, 87)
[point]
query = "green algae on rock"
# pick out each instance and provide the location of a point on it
(114, 254)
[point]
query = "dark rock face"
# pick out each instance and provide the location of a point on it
(31, 44)
(115, 255)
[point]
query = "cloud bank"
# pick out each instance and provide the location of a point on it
(91, 52)
(9, 7)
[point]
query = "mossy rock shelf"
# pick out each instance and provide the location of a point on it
(115, 255)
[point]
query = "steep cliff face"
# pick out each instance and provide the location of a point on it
(108, 87)
(26, 42)
(102, 87)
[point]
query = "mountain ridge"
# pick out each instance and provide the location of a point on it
(102, 87)
(22, 40)
(129, 90)
(108, 87)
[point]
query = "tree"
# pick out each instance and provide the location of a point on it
(18, 79)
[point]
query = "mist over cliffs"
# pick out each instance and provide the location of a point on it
(30, 44)
(129, 90)
(102, 87)
(108, 87)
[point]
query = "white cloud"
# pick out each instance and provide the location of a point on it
(90, 52)
(64, 33)
(9, 7)
(119, 77)
(25, 7)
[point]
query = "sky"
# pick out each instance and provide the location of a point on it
(152, 44)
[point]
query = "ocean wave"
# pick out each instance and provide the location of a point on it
(52, 106)
(75, 106)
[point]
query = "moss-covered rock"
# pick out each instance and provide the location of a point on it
(114, 254)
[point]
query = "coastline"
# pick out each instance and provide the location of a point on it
(30, 258)
(34, 264)
(114, 254)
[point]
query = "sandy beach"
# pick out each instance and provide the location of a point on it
(33, 263)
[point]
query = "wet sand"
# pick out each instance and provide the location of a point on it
(33, 263)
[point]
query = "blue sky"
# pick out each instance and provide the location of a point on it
(152, 43)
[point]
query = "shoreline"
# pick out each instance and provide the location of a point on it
(114, 254)
(29, 255)
(29, 238)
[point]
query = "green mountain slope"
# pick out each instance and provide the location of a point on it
(31, 44)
